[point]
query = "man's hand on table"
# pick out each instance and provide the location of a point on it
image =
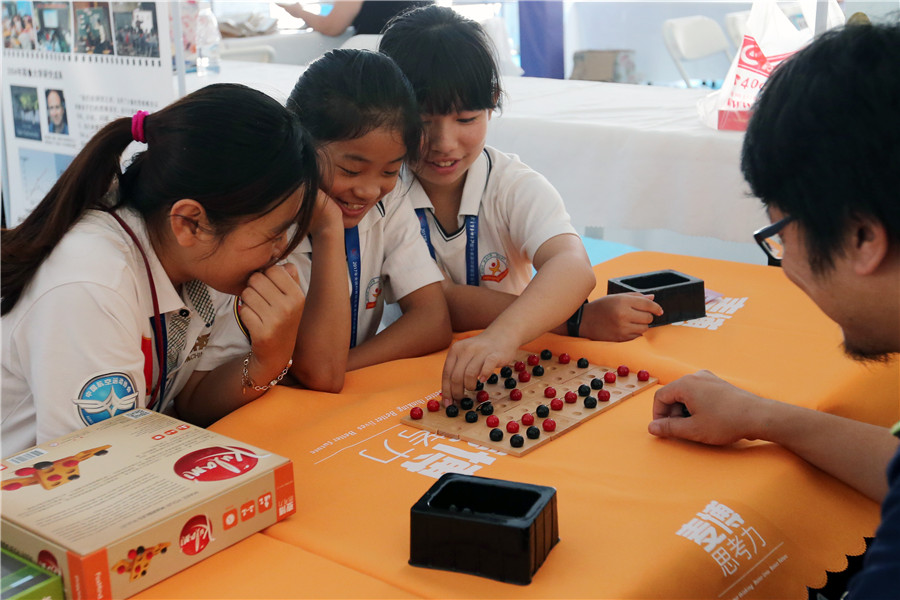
(719, 413)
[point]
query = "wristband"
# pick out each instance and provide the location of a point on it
(247, 382)
(573, 325)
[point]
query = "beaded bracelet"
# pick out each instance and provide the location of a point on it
(248, 382)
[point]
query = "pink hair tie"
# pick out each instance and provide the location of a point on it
(137, 126)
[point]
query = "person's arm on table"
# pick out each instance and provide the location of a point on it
(326, 314)
(272, 304)
(474, 307)
(857, 453)
(423, 328)
(334, 23)
(616, 317)
(563, 280)
(612, 318)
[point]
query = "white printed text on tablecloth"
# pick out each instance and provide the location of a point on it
(383, 441)
(745, 557)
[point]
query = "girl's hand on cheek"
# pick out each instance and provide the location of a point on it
(327, 217)
(272, 306)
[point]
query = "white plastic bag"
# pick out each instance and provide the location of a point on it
(770, 38)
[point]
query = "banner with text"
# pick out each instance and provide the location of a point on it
(69, 68)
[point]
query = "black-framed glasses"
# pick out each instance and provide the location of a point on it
(769, 239)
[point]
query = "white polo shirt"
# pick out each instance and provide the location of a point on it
(517, 210)
(394, 260)
(78, 347)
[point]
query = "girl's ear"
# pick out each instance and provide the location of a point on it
(188, 221)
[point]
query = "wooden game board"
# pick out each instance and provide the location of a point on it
(562, 377)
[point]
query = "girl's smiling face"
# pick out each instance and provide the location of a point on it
(360, 172)
(452, 144)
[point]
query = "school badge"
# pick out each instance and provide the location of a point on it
(373, 290)
(106, 396)
(494, 267)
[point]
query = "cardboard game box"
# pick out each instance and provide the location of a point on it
(22, 580)
(125, 503)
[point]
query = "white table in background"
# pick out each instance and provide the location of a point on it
(622, 156)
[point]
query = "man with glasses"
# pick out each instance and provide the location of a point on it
(822, 151)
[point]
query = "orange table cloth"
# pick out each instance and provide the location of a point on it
(639, 517)
(764, 334)
(261, 567)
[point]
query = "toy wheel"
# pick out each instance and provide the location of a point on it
(26, 471)
(43, 465)
(12, 486)
(101, 453)
(73, 477)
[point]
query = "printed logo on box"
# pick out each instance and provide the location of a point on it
(216, 463)
(196, 535)
(230, 519)
(105, 397)
(248, 510)
(285, 506)
(48, 561)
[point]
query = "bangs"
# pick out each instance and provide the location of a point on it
(451, 73)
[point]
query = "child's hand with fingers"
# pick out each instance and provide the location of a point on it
(272, 304)
(618, 317)
(471, 360)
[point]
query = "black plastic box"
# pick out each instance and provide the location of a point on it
(498, 529)
(681, 296)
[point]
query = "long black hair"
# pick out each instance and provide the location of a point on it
(233, 149)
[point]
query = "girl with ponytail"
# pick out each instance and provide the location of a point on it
(119, 285)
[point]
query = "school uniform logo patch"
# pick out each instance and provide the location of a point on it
(198, 348)
(106, 396)
(494, 267)
(373, 290)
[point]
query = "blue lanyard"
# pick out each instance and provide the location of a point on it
(425, 230)
(471, 227)
(472, 250)
(351, 246)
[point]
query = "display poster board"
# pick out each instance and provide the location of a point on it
(68, 69)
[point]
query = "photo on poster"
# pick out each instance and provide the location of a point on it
(93, 33)
(18, 26)
(54, 26)
(57, 117)
(137, 31)
(39, 170)
(26, 112)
